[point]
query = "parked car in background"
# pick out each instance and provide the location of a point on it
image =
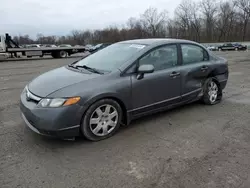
(64, 45)
(50, 45)
(33, 46)
(88, 46)
(78, 45)
(124, 81)
(212, 48)
(232, 46)
(98, 47)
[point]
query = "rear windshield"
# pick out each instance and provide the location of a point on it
(111, 57)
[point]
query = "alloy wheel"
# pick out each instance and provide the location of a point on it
(103, 120)
(213, 91)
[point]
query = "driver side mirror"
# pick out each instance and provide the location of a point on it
(144, 69)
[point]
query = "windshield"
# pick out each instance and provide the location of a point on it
(111, 57)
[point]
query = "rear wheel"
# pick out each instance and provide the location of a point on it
(101, 120)
(63, 54)
(59, 54)
(212, 93)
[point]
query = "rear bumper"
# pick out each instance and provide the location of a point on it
(223, 79)
(223, 84)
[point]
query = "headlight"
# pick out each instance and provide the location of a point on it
(57, 102)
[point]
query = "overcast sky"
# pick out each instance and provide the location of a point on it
(62, 16)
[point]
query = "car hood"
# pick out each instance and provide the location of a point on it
(57, 79)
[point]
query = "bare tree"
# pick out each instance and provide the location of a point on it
(225, 21)
(183, 18)
(87, 36)
(25, 39)
(135, 28)
(209, 10)
(154, 22)
(195, 21)
(78, 37)
(173, 29)
(188, 18)
(244, 13)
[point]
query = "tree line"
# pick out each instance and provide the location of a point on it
(203, 21)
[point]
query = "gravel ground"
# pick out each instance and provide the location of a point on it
(192, 146)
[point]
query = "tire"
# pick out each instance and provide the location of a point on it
(63, 54)
(207, 92)
(95, 131)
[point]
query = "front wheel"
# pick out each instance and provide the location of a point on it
(102, 120)
(212, 93)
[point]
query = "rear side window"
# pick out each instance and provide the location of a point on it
(193, 54)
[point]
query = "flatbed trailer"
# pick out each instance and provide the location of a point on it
(9, 49)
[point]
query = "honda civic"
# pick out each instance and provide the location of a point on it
(94, 96)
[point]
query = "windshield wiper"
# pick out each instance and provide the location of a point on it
(89, 68)
(72, 66)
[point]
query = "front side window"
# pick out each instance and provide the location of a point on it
(161, 58)
(111, 57)
(193, 54)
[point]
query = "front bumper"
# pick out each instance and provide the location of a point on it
(56, 122)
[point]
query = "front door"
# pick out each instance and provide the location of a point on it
(160, 88)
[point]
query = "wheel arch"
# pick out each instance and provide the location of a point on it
(213, 75)
(123, 107)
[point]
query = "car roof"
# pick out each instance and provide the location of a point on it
(158, 41)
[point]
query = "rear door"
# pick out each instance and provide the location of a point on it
(230, 46)
(194, 69)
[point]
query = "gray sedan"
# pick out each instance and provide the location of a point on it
(126, 80)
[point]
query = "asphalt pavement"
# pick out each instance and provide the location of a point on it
(188, 147)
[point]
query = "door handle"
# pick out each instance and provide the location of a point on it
(174, 74)
(204, 68)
